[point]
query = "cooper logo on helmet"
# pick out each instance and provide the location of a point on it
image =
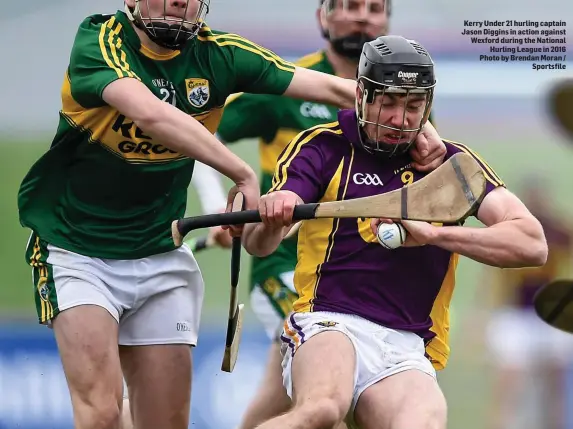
(408, 77)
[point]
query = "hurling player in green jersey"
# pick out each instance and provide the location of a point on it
(274, 121)
(142, 96)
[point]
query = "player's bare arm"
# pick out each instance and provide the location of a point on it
(513, 237)
(179, 132)
(276, 209)
(320, 87)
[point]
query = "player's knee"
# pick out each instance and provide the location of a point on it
(325, 413)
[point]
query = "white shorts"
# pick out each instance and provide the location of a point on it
(380, 351)
(272, 306)
(518, 338)
(155, 300)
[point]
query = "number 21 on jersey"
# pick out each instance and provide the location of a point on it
(168, 95)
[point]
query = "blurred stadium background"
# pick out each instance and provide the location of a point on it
(495, 108)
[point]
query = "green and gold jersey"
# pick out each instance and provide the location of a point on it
(274, 121)
(105, 188)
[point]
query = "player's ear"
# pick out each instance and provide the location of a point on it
(130, 3)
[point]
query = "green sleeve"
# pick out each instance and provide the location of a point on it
(248, 116)
(97, 59)
(257, 70)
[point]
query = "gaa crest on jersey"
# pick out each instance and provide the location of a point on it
(197, 91)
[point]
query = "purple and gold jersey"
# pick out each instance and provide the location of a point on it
(341, 267)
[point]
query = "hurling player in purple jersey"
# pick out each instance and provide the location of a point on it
(382, 314)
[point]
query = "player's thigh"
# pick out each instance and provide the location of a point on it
(72, 295)
(408, 399)
(323, 373)
(168, 308)
(64, 279)
(159, 384)
(272, 300)
(319, 367)
(86, 336)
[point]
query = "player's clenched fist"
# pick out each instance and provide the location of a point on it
(277, 208)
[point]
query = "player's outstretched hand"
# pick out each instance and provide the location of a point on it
(429, 150)
(277, 208)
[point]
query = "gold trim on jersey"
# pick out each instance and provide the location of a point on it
(489, 174)
(314, 246)
(310, 59)
(232, 98)
(316, 241)
(211, 118)
(157, 56)
(269, 152)
(294, 148)
(113, 131)
(109, 40)
(247, 45)
(439, 349)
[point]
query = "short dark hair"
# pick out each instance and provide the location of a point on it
(388, 5)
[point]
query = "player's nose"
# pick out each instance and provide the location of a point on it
(180, 4)
(397, 117)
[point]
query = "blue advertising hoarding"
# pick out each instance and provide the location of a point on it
(34, 395)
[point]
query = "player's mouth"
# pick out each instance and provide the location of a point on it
(395, 138)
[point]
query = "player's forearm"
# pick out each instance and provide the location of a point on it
(322, 88)
(511, 244)
(260, 240)
(344, 92)
(207, 183)
(185, 135)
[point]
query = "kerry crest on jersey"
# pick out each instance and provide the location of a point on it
(197, 91)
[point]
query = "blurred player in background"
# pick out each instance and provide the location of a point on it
(525, 351)
(141, 97)
(366, 318)
(275, 121)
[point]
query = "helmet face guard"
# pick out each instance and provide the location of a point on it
(350, 45)
(169, 32)
(370, 91)
(399, 71)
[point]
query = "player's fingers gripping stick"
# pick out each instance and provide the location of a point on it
(448, 194)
